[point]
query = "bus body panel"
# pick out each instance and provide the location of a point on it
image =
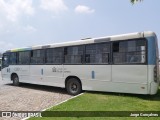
(47, 75)
(153, 88)
(53, 75)
(22, 71)
(36, 74)
(89, 72)
(123, 73)
(120, 87)
(5, 74)
(104, 82)
(152, 84)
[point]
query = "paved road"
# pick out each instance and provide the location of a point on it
(29, 97)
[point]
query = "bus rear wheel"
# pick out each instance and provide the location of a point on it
(73, 86)
(15, 80)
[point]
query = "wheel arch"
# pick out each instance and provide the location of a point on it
(12, 75)
(72, 77)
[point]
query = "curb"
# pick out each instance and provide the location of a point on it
(56, 104)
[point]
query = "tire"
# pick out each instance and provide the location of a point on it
(73, 86)
(15, 80)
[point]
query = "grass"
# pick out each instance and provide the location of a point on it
(98, 101)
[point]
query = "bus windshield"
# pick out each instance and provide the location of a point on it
(5, 61)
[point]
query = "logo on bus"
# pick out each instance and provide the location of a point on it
(53, 69)
(17, 69)
(60, 70)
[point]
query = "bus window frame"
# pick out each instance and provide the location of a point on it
(54, 63)
(44, 61)
(146, 52)
(17, 55)
(5, 54)
(82, 62)
(109, 59)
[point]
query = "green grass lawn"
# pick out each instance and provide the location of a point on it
(98, 101)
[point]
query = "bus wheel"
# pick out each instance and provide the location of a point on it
(15, 80)
(73, 86)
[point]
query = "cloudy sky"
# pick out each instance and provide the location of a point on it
(35, 22)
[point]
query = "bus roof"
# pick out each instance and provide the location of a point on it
(89, 40)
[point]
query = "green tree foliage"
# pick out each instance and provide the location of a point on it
(134, 1)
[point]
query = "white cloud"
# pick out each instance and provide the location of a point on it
(12, 9)
(84, 9)
(55, 6)
(30, 29)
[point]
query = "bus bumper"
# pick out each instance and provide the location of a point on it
(154, 87)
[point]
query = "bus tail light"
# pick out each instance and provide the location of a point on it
(155, 74)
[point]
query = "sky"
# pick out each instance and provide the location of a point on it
(26, 23)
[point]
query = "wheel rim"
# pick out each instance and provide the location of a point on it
(15, 80)
(74, 87)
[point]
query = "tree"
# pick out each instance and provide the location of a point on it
(134, 1)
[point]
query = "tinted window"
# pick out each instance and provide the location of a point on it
(97, 53)
(5, 61)
(129, 52)
(73, 54)
(37, 57)
(24, 57)
(54, 55)
(13, 58)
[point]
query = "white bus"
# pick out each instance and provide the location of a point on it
(125, 63)
(0, 63)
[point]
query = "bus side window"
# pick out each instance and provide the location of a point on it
(87, 58)
(105, 58)
(133, 59)
(97, 53)
(129, 52)
(37, 56)
(13, 58)
(24, 57)
(73, 54)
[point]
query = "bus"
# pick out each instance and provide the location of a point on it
(0, 63)
(126, 63)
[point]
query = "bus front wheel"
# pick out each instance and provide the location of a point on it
(73, 86)
(15, 80)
